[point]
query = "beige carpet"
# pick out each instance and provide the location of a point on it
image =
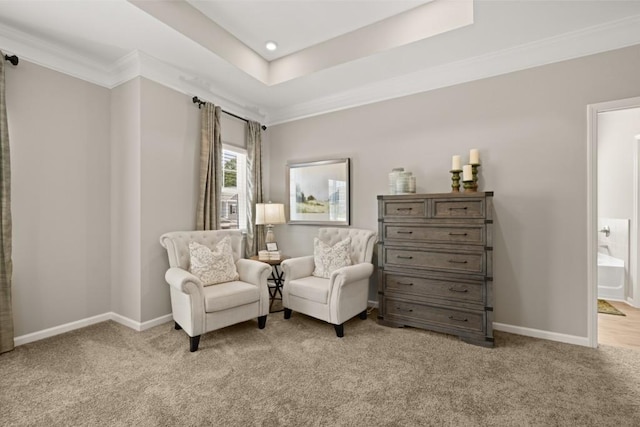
(297, 373)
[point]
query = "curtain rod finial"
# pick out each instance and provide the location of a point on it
(197, 100)
(13, 59)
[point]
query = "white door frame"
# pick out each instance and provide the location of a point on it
(635, 225)
(592, 214)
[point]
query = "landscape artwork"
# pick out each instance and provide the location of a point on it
(319, 192)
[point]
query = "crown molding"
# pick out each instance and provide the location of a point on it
(134, 64)
(138, 63)
(596, 39)
(601, 38)
(53, 56)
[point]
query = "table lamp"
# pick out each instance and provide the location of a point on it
(270, 214)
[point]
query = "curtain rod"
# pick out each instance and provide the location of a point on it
(200, 103)
(13, 59)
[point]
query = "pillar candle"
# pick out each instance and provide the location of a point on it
(474, 157)
(455, 163)
(467, 174)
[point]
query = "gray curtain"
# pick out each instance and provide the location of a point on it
(6, 266)
(255, 233)
(207, 217)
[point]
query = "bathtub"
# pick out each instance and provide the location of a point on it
(611, 277)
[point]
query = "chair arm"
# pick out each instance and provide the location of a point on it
(256, 273)
(253, 272)
(295, 268)
(352, 273)
(348, 290)
(180, 279)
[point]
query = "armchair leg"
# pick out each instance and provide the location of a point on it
(176, 326)
(287, 313)
(363, 315)
(339, 330)
(262, 321)
(193, 343)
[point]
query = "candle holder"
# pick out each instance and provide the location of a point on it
(474, 173)
(455, 180)
(469, 186)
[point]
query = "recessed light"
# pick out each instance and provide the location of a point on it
(271, 46)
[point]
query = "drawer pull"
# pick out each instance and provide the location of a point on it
(453, 261)
(462, 291)
(405, 284)
(406, 257)
(406, 209)
(458, 209)
(457, 319)
(457, 234)
(404, 232)
(408, 310)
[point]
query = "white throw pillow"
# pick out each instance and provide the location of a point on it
(215, 266)
(327, 258)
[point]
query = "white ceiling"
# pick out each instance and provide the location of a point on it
(333, 54)
(296, 25)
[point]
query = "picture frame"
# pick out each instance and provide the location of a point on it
(272, 246)
(319, 192)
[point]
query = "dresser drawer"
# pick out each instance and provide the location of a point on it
(405, 208)
(454, 290)
(397, 310)
(458, 208)
(455, 261)
(471, 235)
(435, 263)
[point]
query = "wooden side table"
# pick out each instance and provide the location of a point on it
(277, 278)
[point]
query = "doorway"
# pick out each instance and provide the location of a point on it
(601, 117)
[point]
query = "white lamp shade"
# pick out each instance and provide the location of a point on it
(270, 213)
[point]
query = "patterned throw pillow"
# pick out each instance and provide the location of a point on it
(327, 258)
(215, 266)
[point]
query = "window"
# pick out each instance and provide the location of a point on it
(234, 197)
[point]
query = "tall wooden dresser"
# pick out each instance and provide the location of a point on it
(435, 263)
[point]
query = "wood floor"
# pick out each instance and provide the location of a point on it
(620, 331)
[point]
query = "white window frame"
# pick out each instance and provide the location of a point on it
(241, 182)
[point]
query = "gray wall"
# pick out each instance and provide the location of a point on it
(98, 175)
(170, 150)
(59, 132)
(155, 149)
(530, 127)
(125, 200)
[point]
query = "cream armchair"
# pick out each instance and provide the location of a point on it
(344, 294)
(198, 309)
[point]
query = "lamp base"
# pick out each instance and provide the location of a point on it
(269, 237)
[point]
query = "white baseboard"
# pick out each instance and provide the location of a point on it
(61, 329)
(372, 304)
(155, 322)
(546, 335)
(142, 326)
(631, 302)
(68, 327)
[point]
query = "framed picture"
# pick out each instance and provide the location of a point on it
(273, 246)
(319, 192)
